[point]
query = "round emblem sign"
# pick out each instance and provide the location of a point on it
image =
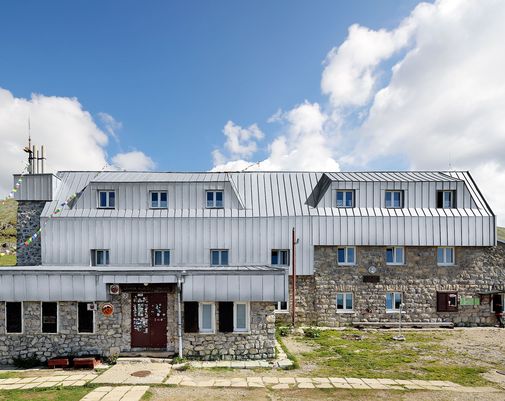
(107, 309)
(372, 270)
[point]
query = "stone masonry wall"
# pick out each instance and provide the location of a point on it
(259, 343)
(477, 269)
(27, 224)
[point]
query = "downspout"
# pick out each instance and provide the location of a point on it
(293, 283)
(180, 281)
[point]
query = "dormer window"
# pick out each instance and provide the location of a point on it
(215, 199)
(446, 199)
(345, 198)
(106, 199)
(394, 199)
(159, 199)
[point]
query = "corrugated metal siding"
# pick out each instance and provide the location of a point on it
(36, 187)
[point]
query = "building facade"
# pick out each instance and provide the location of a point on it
(201, 264)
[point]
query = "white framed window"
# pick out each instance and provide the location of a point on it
(14, 317)
(393, 301)
(215, 199)
(281, 307)
(395, 255)
(106, 199)
(85, 318)
(161, 257)
(446, 199)
(394, 199)
(49, 312)
(158, 199)
(100, 257)
(219, 257)
(345, 302)
(445, 256)
(346, 255)
(345, 198)
(280, 257)
(206, 317)
(241, 316)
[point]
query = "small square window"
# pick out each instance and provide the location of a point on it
(344, 302)
(219, 257)
(395, 255)
(280, 257)
(215, 199)
(241, 317)
(394, 199)
(345, 198)
(106, 199)
(447, 301)
(206, 323)
(445, 256)
(100, 257)
(281, 307)
(161, 257)
(346, 255)
(446, 199)
(393, 301)
(159, 199)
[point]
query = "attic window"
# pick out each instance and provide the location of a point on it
(159, 199)
(215, 199)
(394, 199)
(345, 198)
(446, 199)
(106, 199)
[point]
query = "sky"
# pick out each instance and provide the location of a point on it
(264, 85)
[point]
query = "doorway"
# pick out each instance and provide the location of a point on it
(149, 320)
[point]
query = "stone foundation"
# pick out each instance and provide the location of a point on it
(258, 343)
(28, 223)
(477, 270)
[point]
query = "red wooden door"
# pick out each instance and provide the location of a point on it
(149, 320)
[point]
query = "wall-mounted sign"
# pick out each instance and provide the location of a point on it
(107, 309)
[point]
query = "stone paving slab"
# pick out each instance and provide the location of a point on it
(120, 393)
(125, 373)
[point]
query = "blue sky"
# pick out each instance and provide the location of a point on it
(173, 73)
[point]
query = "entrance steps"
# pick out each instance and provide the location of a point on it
(145, 356)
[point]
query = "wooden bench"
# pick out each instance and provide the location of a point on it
(85, 363)
(58, 363)
(392, 325)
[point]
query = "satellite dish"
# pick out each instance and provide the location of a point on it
(372, 270)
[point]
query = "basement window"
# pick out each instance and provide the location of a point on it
(446, 199)
(159, 199)
(346, 255)
(394, 199)
(215, 199)
(395, 255)
(447, 301)
(445, 256)
(106, 199)
(344, 302)
(280, 257)
(49, 314)
(85, 318)
(14, 317)
(281, 307)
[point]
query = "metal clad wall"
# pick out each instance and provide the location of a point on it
(36, 187)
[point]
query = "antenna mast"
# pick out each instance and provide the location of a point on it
(34, 167)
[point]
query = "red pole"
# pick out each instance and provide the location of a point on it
(293, 277)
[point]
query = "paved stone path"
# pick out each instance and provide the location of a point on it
(281, 383)
(135, 373)
(120, 393)
(47, 381)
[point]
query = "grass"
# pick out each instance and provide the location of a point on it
(8, 260)
(9, 375)
(377, 355)
(501, 233)
(148, 395)
(289, 354)
(52, 394)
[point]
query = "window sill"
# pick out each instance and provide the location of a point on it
(206, 332)
(242, 332)
(346, 264)
(160, 207)
(395, 311)
(13, 334)
(282, 312)
(446, 264)
(395, 264)
(105, 207)
(344, 312)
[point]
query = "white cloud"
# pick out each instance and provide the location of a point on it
(241, 142)
(71, 137)
(133, 161)
(112, 126)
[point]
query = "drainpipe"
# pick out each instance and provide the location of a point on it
(180, 281)
(293, 283)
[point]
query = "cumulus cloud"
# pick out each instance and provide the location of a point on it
(133, 161)
(112, 126)
(72, 139)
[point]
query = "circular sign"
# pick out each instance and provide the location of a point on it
(107, 309)
(372, 270)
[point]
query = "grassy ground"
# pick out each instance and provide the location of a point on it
(58, 394)
(374, 354)
(501, 233)
(8, 260)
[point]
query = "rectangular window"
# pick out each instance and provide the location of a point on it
(100, 257)
(346, 255)
(345, 198)
(85, 318)
(161, 257)
(219, 257)
(159, 199)
(445, 256)
(225, 317)
(447, 301)
(107, 199)
(446, 199)
(280, 257)
(344, 302)
(215, 199)
(206, 317)
(393, 301)
(49, 317)
(241, 317)
(394, 199)
(281, 307)
(14, 317)
(191, 317)
(395, 255)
